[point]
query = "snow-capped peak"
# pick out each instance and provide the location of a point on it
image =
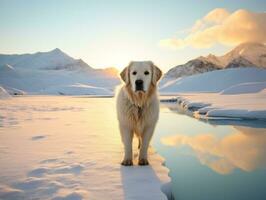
(248, 46)
(57, 50)
(199, 65)
(244, 55)
(55, 59)
(253, 52)
(211, 58)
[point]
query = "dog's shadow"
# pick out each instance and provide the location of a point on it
(141, 182)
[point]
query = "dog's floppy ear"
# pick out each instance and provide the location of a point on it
(156, 74)
(125, 74)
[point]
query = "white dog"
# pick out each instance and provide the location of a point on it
(138, 107)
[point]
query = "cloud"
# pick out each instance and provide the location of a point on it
(244, 149)
(221, 26)
(214, 17)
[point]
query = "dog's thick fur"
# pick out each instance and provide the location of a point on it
(138, 111)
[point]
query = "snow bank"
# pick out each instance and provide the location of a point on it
(245, 88)
(4, 94)
(235, 93)
(70, 148)
(209, 105)
(214, 81)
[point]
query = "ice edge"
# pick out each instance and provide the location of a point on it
(166, 188)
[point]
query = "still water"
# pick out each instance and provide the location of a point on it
(218, 159)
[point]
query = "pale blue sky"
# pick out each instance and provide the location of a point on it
(108, 33)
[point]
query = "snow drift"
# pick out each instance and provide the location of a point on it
(214, 81)
(243, 88)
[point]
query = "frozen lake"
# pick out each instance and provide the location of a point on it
(217, 159)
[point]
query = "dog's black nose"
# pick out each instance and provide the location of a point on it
(139, 84)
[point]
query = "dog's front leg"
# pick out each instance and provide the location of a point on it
(145, 137)
(127, 136)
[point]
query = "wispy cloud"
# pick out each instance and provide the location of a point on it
(221, 26)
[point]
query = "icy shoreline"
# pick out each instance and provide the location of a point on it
(57, 147)
(229, 93)
(217, 105)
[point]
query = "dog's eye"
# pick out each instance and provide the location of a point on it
(134, 73)
(146, 73)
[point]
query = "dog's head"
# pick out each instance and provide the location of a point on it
(141, 75)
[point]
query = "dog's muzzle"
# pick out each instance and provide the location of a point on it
(139, 85)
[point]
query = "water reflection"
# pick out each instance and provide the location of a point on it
(243, 149)
(212, 159)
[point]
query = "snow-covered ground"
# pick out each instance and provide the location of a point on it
(233, 93)
(59, 147)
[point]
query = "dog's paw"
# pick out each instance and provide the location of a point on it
(127, 162)
(143, 161)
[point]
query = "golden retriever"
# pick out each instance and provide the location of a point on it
(138, 107)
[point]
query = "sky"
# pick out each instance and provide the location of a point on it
(112, 33)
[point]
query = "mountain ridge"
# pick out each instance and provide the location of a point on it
(248, 54)
(54, 59)
(54, 72)
(251, 51)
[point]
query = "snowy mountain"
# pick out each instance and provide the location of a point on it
(55, 59)
(239, 62)
(54, 72)
(195, 66)
(244, 55)
(252, 52)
